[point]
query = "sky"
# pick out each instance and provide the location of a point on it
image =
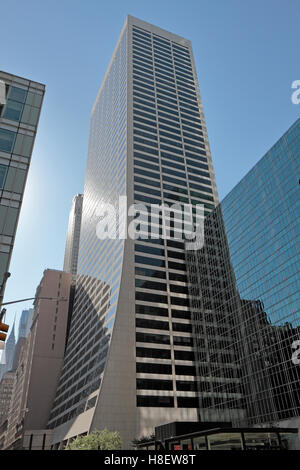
(247, 57)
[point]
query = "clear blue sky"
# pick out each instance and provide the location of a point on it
(247, 56)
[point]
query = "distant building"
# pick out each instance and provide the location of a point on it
(73, 236)
(39, 363)
(25, 322)
(24, 329)
(20, 105)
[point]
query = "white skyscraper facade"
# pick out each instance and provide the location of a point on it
(129, 363)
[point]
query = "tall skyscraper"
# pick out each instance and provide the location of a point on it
(258, 290)
(73, 236)
(20, 106)
(129, 363)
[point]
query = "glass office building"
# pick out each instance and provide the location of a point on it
(129, 362)
(251, 284)
(20, 106)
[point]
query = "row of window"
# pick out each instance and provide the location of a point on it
(161, 50)
(18, 143)
(156, 384)
(146, 63)
(21, 105)
(167, 401)
(164, 70)
(141, 125)
(165, 369)
(166, 172)
(163, 44)
(170, 115)
(162, 325)
(163, 339)
(160, 67)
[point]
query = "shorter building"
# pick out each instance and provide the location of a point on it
(6, 389)
(39, 365)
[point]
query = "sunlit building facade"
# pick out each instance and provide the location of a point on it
(129, 363)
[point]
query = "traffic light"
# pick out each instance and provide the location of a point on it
(3, 331)
(3, 326)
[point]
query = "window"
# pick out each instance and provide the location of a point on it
(7, 139)
(3, 172)
(186, 386)
(182, 341)
(143, 296)
(146, 173)
(185, 370)
(151, 324)
(146, 190)
(179, 300)
(188, 402)
(13, 110)
(153, 368)
(17, 94)
(146, 165)
(146, 284)
(154, 353)
(2, 93)
(23, 145)
(139, 179)
(155, 401)
(149, 249)
(148, 310)
(181, 314)
(152, 384)
(185, 327)
(152, 338)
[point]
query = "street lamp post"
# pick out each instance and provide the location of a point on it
(3, 326)
(62, 299)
